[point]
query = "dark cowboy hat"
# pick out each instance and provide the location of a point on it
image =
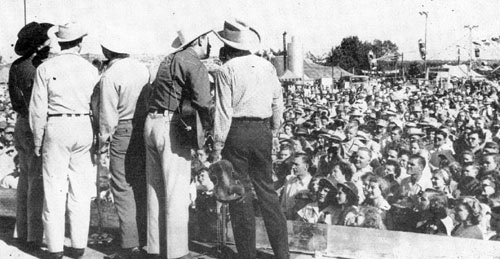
(239, 35)
(350, 187)
(30, 37)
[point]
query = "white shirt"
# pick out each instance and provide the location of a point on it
(292, 187)
(63, 84)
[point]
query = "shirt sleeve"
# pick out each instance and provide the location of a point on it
(108, 111)
(197, 77)
(223, 106)
(39, 106)
(277, 105)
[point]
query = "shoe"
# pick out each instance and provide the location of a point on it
(76, 253)
(58, 255)
(188, 256)
(129, 253)
(31, 246)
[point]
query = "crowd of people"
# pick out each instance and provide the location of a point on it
(9, 164)
(392, 156)
(387, 155)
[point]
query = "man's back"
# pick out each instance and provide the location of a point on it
(69, 79)
(253, 81)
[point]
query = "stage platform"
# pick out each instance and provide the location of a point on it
(306, 240)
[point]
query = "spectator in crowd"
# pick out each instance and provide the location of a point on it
(322, 209)
(296, 184)
(468, 216)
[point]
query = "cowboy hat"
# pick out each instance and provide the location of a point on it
(187, 35)
(415, 131)
(68, 32)
(239, 35)
(116, 42)
(30, 37)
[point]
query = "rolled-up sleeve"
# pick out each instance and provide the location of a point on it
(223, 106)
(277, 105)
(39, 106)
(108, 111)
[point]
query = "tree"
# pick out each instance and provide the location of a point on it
(353, 53)
(414, 70)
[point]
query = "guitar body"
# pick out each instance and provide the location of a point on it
(194, 135)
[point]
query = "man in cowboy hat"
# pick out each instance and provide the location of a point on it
(249, 106)
(121, 139)
(181, 78)
(63, 137)
(30, 188)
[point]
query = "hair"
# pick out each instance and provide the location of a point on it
(444, 174)
(304, 157)
(330, 199)
(70, 44)
(473, 207)
(397, 128)
(479, 134)
(404, 152)
(382, 183)
(231, 52)
(397, 168)
(373, 218)
(345, 168)
(366, 150)
(420, 159)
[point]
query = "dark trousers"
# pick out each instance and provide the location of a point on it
(248, 147)
(128, 184)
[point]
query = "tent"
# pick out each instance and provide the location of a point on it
(316, 71)
(289, 76)
(462, 71)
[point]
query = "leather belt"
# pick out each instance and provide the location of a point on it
(161, 111)
(69, 114)
(250, 119)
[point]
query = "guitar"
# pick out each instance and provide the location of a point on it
(194, 134)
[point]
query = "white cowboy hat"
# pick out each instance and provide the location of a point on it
(239, 35)
(188, 34)
(68, 32)
(116, 42)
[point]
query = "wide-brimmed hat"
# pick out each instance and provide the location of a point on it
(239, 35)
(350, 187)
(415, 131)
(30, 37)
(67, 32)
(116, 42)
(188, 34)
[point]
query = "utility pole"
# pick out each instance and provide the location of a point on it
(24, 12)
(426, 13)
(284, 52)
(470, 27)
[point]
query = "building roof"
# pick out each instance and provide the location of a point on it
(311, 70)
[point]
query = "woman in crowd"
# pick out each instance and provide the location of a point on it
(321, 210)
(442, 182)
(347, 200)
(468, 216)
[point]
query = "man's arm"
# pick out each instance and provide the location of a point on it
(108, 112)
(223, 108)
(277, 105)
(38, 108)
(197, 78)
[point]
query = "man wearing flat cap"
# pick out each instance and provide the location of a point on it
(121, 138)
(249, 106)
(181, 79)
(59, 115)
(29, 224)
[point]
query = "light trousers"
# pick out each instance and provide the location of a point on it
(168, 173)
(30, 186)
(68, 176)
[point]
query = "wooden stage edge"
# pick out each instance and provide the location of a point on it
(338, 241)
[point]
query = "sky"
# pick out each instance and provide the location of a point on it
(319, 24)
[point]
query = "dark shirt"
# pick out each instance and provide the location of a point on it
(181, 76)
(21, 76)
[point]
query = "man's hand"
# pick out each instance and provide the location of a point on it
(38, 151)
(216, 153)
(104, 160)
